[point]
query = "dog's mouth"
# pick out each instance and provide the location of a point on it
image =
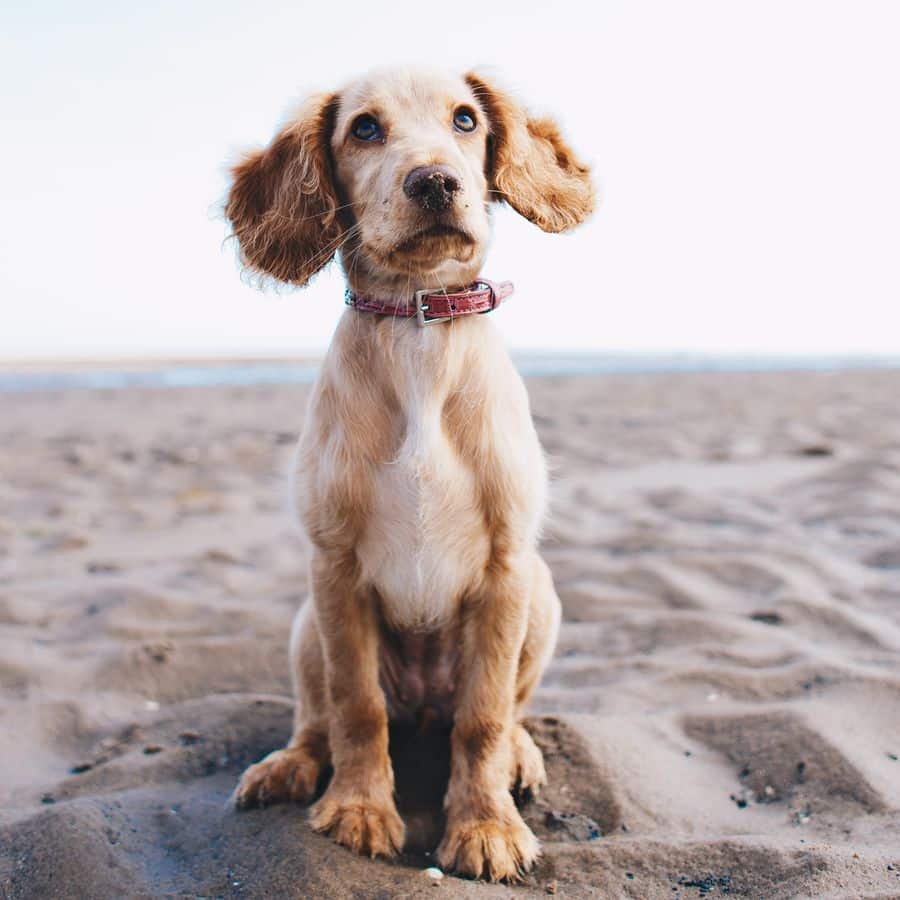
(435, 237)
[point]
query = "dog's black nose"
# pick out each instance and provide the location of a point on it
(432, 187)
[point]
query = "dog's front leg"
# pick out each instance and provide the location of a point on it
(358, 808)
(485, 834)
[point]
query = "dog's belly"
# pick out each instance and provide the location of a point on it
(425, 540)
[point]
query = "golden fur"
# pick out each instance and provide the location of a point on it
(420, 480)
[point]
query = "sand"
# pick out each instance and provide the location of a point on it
(722, 717)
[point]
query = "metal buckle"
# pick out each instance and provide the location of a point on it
(422, 308)
(484, 285)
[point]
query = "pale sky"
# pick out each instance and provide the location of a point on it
(748, 155)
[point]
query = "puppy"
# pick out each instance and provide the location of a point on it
(420, 480)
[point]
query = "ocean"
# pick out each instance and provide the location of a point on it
(98, 376)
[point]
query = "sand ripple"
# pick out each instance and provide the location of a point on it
(722, 717)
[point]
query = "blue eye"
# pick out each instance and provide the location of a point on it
(464, 119)
(366, 128)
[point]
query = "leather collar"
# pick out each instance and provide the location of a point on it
(435, 305)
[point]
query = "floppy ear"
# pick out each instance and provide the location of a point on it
(283, 202)
(530, 166)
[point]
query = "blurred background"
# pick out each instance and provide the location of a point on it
(746, 156)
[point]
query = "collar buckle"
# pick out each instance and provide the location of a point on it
(422, 308)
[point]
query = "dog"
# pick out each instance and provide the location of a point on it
(419, 477)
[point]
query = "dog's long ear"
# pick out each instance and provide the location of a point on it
(530, 166)
(283, 201)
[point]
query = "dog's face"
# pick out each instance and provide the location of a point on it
(397, 173)
(410, 154)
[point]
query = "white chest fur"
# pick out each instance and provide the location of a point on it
(425, 536)
(425, 539)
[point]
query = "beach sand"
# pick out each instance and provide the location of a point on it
(722, 717)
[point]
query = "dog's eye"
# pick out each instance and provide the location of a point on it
(366, 128)
(464, 119)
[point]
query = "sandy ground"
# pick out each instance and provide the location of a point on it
(722, 717)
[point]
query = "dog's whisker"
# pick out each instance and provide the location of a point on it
(507, 195)
(325, 212)
(335, 245)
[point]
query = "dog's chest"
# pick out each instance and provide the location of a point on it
(425, 533)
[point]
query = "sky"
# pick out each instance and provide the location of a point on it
(747, 156)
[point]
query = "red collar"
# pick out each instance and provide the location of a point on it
(430, 306)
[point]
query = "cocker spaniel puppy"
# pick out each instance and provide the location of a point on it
(420, 480)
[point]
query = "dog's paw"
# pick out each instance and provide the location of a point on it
(528, 773)
(289, 774)
(373, 829)
(501, 849)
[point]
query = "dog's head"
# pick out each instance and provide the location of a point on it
(397, 173)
